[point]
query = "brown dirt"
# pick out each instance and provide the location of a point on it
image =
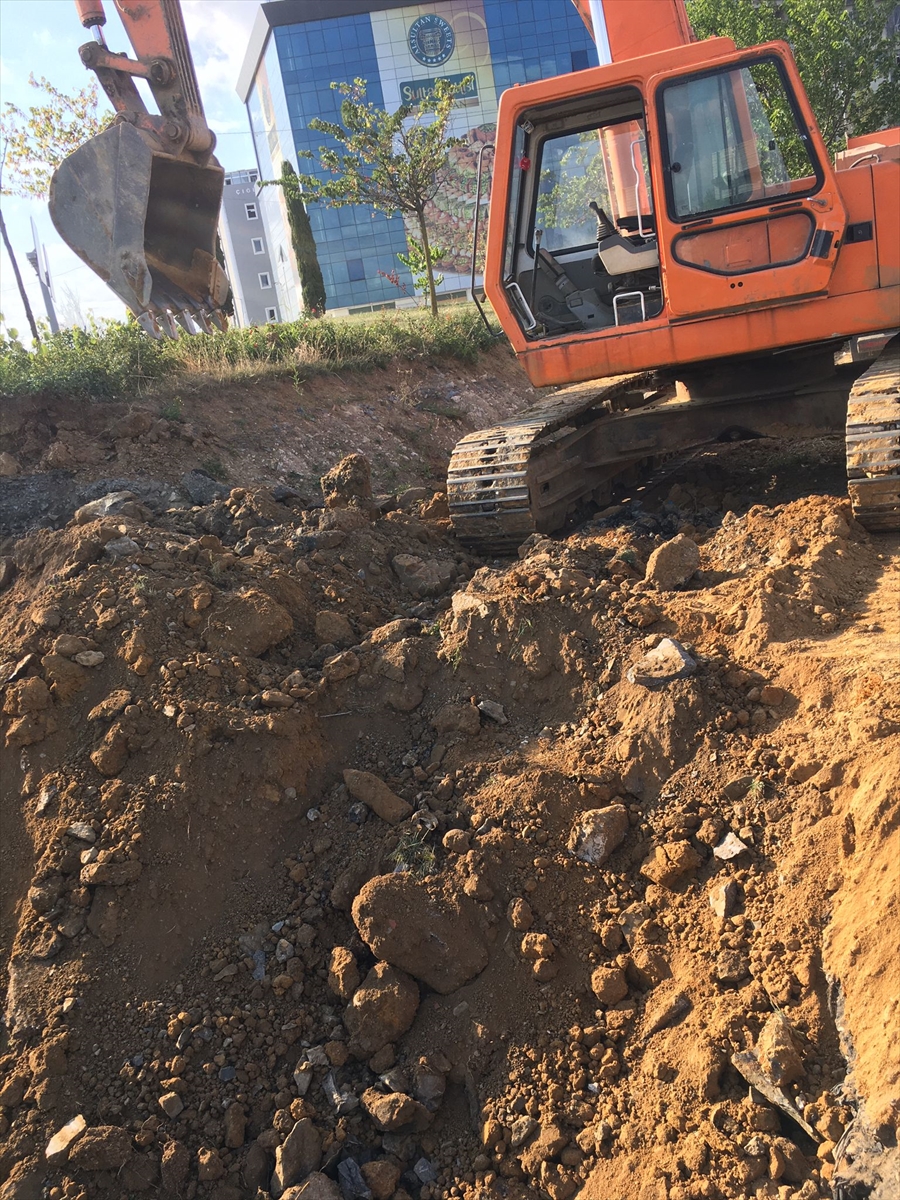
(191, 895)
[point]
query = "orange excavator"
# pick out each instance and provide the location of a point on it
(139, 203)
(670, 242)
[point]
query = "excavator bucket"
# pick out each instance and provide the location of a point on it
(146, 223)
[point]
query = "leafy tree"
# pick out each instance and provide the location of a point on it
(391, 162)
(35, 142)
(39, 138)
(312, 285)
(845, 55)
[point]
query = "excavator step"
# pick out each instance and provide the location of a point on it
(873, 443)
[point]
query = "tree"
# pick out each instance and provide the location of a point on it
(41, 137)
(845, 55)
(35, 143)
(391, 162)
(312, 285)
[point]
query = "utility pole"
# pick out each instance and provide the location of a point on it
(12, 258)
(15, 266)
(38, 259)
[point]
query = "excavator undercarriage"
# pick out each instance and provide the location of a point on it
(529, 474)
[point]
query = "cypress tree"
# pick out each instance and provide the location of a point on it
(311, 282)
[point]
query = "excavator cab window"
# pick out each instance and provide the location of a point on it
(584, 255)
(734, 139)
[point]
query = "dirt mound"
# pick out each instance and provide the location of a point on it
(298, 895)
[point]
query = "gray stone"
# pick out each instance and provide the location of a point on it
(729, 847)
(598, 832)
(351, 1182)
(122, 547)
(422, 577)
(659, 666)
(83, 832)
(495, 711)
(106, 506)
(57, 1151)
(202, 488)
(723, 897)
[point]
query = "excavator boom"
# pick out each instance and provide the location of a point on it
(139, 203)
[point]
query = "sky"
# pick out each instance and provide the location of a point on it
(41, 37)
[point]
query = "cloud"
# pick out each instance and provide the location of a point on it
(218, 32)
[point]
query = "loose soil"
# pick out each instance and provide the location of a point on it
(294, 899)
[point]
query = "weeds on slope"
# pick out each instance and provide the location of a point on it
(116, 360)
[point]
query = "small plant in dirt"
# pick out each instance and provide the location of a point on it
(214, 469)
(414, 854)
(172, 410)
(757, 789)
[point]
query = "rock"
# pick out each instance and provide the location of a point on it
(248, 622)
(723, 897)
(202, 488)
(495, 711)
(673, 563)
(457, 841)
(519, 914)
(13, 1089)
(609, 985)
(430, 1081)
(107, 506)
(376, 794)
(422, 577)
(209, 1165)
(317, 1187)
(382, 1177)
(457, 718)
(777, 1053)
(349, 483)
(340, 666)
(648, 966)
(521, 1131)
(299, 1155)
(771, 696)
(667, 661)
(8, 570)
(665, 1011)
(537, 945)
(394, 1111)
(9, 466)
(171, 1104)
(102, 1148)
(343, 972)
(122, 547)
(597, 833)
(432, 936)
(110, 874)
(83, 832)
(333, 629)
(57, 1151)
(381, 1010)
(550, 1139)
(351, 1182)
(90, 658)
(175, 1164)
(235, 1126)
(133, 424)
(732, 966)
(668, 863)
(729, 847)
(737, 789)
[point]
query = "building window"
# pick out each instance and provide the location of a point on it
(253, 177)
(228, 182)
(264, 280)
(252, 214)
(271, 314)
(355, 269)
(580, 60)
(257, 244)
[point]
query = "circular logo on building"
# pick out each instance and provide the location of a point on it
(431, 40)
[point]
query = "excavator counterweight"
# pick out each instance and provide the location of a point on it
(139, 203)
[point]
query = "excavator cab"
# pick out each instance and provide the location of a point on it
(685, 184)
(139, 203)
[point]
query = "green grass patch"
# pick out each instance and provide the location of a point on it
(116, 360)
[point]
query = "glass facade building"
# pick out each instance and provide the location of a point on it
(300, 47)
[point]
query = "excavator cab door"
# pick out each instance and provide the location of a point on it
(749, 212)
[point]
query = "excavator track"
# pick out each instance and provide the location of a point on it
(498, 476)
(873, 443)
